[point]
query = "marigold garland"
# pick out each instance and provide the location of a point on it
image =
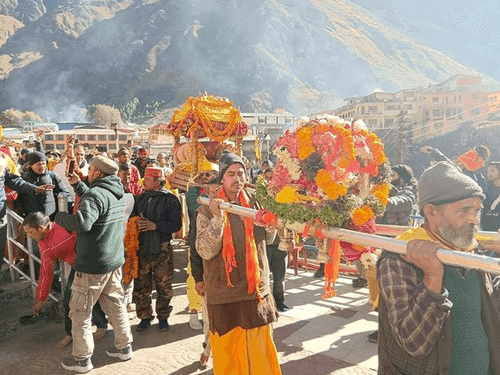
(131, 243)
(362, 215)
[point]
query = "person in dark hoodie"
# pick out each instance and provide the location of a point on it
(160, 216)
(38, 174)
(98, 223)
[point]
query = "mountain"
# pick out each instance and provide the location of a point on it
(303, 55)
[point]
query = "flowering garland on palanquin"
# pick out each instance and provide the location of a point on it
(329, 171)
(131, 243)
(207, 116)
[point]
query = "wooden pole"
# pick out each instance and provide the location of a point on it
(446, 256)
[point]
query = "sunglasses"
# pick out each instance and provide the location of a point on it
(207, 174)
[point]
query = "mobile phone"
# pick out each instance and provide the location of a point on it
(71, 167)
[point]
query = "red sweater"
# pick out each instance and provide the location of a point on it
(59, 244)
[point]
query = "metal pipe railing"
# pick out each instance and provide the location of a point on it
(449, 257)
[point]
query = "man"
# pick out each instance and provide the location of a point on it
(161, 215)
(13, 182)
(142, 161)
(236, 275)
(278, 260)
(98, 222)
(207, 174)
(433, 318)
(125, 174)
(163, 162)
(124, 158)
(490, 217)
(57, 243)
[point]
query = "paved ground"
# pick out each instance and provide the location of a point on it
(315, 337)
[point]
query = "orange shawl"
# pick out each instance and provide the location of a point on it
(228, 252)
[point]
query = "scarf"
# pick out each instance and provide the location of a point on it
(228, 252)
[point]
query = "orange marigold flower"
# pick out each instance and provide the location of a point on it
(362, 215)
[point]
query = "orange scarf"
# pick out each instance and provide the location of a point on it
(228, 253)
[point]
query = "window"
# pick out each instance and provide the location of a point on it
(450, 112)
(111, 137)
(112, 146)
(60, 146)
(391, 107)
(49, 146)
(101, 137)
(388, 122)
(60, 137)
(81, 137)
(91, 137)
(372, 109)
(288, 120)
(435, 100)
(372, 123)
(49, 137)
(437, 112)
(122, 137)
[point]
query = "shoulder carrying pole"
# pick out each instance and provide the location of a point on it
(446, 256)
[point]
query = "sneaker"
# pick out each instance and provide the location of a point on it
(373, 337)
(163, 325)
(143, 325)
(124, 354)
(282, 307)
(359, 283)
(83, 366)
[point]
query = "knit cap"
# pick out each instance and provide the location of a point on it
(36, 156)
(104, 164)
(226, 160)
(403, 171)
(444, 183)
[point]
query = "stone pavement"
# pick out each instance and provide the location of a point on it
(314, 337)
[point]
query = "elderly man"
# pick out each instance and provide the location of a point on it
(433, 318)
(236, 275)
(98, 223)
(161, 215)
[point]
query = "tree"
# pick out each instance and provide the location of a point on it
(13, 117)
(104, 115)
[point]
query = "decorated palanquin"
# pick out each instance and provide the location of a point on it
(330, 172)
(203, 128)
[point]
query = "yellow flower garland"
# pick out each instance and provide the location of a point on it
(131, 246)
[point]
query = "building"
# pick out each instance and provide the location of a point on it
(427, 112)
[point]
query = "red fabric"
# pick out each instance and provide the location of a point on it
(135, 174)
(59, 244)
(134, 188)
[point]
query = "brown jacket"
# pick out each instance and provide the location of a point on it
(209, 246)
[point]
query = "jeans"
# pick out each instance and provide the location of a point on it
(277, 265)
(98, 316)
(86, 290)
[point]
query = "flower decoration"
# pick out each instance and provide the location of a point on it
(131, 242)
(328, 170)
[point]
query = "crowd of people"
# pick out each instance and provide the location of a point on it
(433, 318)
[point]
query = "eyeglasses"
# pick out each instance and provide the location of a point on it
(207, 174)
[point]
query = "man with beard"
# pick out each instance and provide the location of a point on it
(490, 218)
(434, 318)
(141, 162)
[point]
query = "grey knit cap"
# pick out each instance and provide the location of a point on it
(444, 183)
(226, 160)
(104, 164)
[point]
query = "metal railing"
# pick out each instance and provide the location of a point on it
(13, 219)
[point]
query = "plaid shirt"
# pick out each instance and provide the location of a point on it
(415, 314)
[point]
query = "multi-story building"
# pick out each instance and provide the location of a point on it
(434, 110)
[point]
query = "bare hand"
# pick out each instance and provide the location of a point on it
(200, 288)
(214, 205)
(423, 254)
(146, 225)
(37, 307)
(73, 178)
(44, 188)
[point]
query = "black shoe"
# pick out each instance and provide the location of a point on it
(373, 337)
(282, 307)
(143, 325)
(163, 325)
(320, 272)
(359, 283)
